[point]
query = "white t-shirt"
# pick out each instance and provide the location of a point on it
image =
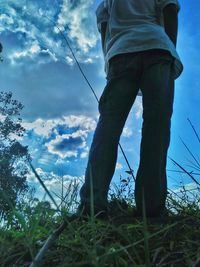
(136, 25)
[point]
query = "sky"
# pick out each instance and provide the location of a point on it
(60, 112)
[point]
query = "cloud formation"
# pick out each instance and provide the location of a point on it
(67, 145)
(46, 128)
(127, 132)
(59, 140)
(77, 17)
(58, 186)
(37, 30)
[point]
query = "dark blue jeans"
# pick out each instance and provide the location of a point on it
(151, 71)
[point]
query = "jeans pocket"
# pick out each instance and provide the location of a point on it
(117, 65)
(165, 55)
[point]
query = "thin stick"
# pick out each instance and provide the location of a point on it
(43, 185)
(37, 262)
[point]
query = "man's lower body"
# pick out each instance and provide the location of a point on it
(151, 71)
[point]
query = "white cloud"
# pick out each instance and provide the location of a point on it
(46, 127)
(60, 161)
(44, 160)
(138, 108)
(35, 27)
(189, 186)
(88, 61)
(58, 140)
(5, 20)
(40, 126)
(77, 18)
(84, 154)
(119, 166)
(70, 60)
(31, 51)
(79, 121)
(187, 194)
(127, 132)
(2, 117)
(53, 182)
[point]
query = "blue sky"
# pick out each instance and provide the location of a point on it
(60, 112)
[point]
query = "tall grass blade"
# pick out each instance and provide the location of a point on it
(185, 171)
(190, 152)
(91, 194)
(198, 138)
(146, 233)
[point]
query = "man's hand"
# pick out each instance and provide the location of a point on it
(171, 22)
(103, 33)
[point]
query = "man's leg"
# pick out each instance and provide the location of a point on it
(114, 106)
(157, 85)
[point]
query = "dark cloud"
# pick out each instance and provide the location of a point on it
(63, 129)
(68, 144)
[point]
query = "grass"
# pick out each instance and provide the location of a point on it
(122, 241)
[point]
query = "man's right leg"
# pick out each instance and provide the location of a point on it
(114, 106)
(157, 85)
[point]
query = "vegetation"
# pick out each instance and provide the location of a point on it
(122, 240)
(13, 156)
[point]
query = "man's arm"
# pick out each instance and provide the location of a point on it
(170, 13)
(102, 20)
(103, 33)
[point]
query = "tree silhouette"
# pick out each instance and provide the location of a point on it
(13, 155)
